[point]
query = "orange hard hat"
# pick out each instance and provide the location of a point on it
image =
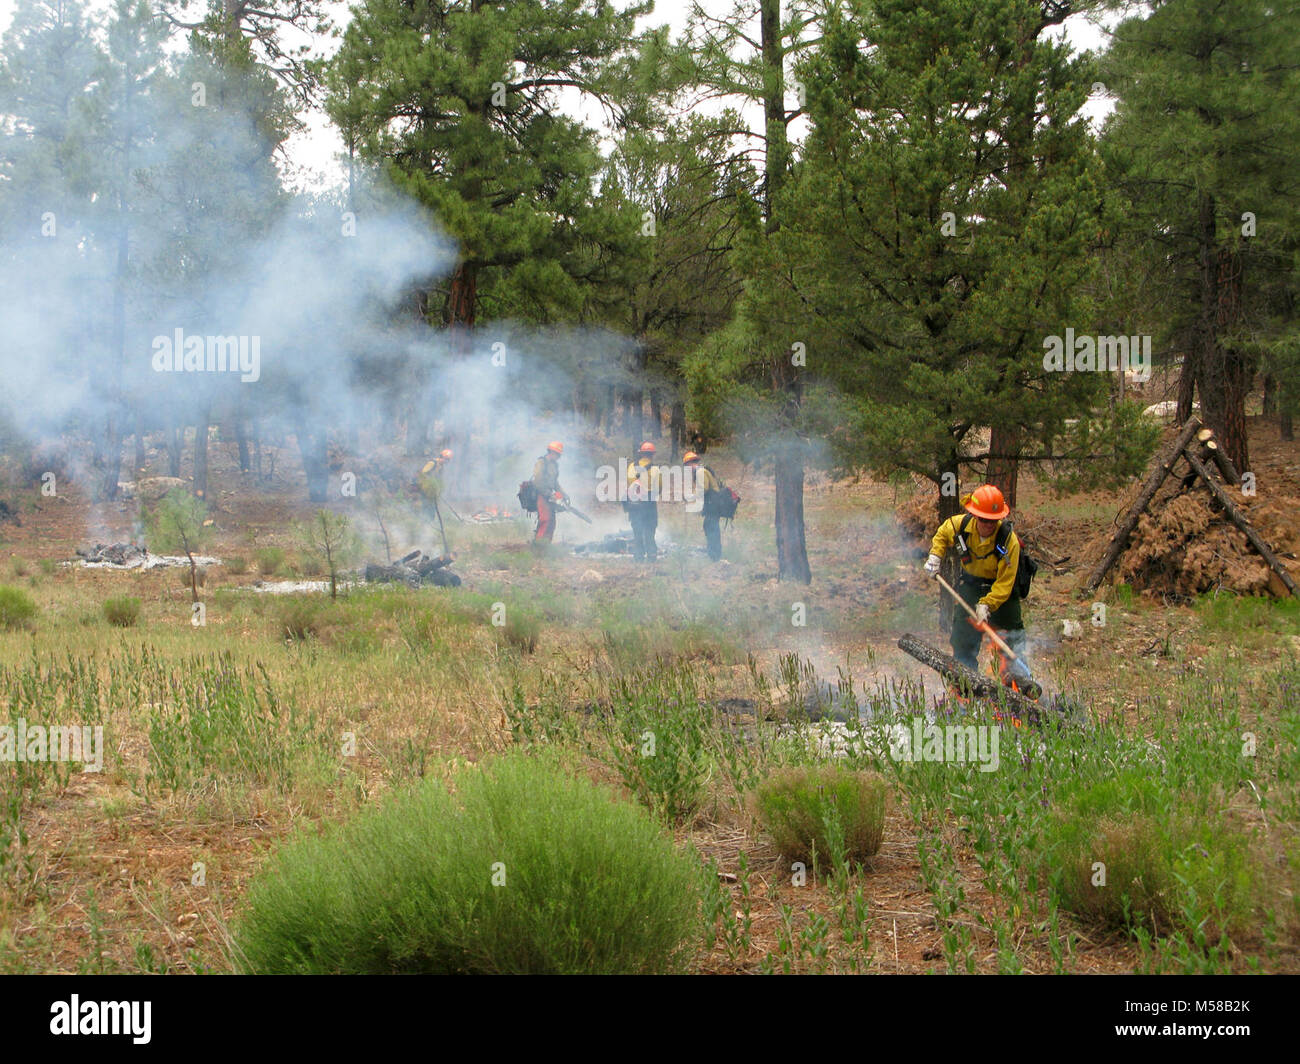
(986, 501)
(556, 446)
(647, 448)
(689, 457)
(446, 455)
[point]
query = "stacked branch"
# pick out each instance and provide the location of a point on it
(1196, 447)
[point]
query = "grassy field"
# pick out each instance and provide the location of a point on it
(1160, 836)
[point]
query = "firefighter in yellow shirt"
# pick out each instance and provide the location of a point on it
(706, 481)
(642, 504)
(990, 559)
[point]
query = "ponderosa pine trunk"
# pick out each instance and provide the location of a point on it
(791, 549)
(1004, 461)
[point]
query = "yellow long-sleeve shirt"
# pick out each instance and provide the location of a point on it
(706, 481)
(546, 477)
(984, 562)
(648, 475)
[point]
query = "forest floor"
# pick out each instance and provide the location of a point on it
(144, 866)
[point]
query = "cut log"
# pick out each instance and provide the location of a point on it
(1217, 455)
(1164, 466)
(1239, 519)
(969, 682)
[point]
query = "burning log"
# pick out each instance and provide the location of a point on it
(971, 683)
(413, 570)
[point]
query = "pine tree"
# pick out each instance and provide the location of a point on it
(1203, 141)
(935, 235)
(459, 102)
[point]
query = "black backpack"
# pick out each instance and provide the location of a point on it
(1025, 571)
(528, 496)
(721, 502)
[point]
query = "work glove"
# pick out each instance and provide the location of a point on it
(932, 564)
(982, 613)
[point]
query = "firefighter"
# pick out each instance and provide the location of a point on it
(990, 560)
(706, 481)
(546, 479)
(642, 504)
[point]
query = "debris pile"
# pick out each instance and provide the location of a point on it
(1186, 535)
(129, 556)
(413, 570)
(126, 555)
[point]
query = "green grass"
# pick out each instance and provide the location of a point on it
(1242, 614)
(526, 869)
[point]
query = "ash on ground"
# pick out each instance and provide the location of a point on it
(618, 544)
(129, 556)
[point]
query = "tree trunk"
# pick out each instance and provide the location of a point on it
(1285, 427)
(1187, 385)
(1270, 395)
(949, 505)
(791, 549)
(633, 419)
(241, 438)
(677, 428)
(460, 315)
(201, 451)
(140, 454)
(656, 415)
(175, 442)
(315, 463)
(1004, 461)
(1223, 376)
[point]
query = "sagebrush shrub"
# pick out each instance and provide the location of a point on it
(822, 813)
(270, 560)
(526, 868)
(1131, 852)
(299, 618)
(17, 608)
(122, 611)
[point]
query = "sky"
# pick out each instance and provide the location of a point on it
(312, 157)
